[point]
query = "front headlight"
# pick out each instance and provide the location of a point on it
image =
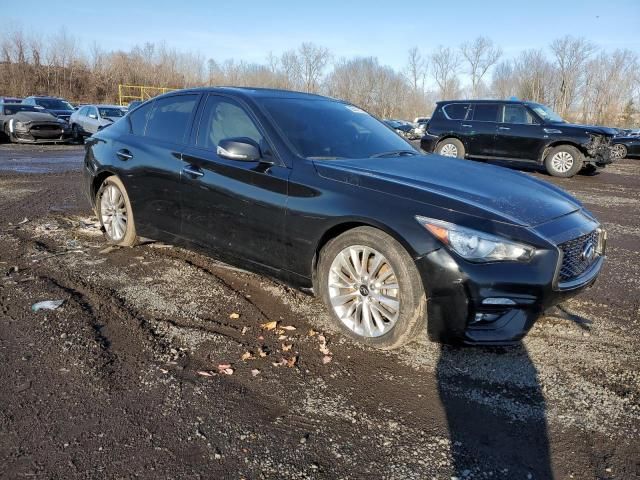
(20, 126)
(474, 245)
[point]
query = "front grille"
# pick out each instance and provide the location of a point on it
(574, 262)
(46, 126)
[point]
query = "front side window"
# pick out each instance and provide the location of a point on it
(326, 129)
(485, 112)
(456, 111)
(54, 104)
(517, 114)
(92, 111)
(111, 112)
(170, 117)
(224, 118)
(84, 111)
(546, 113)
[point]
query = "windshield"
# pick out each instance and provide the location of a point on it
(318, 128)
(546, 113)
(53, 104)
(110, 112)
(13, 109)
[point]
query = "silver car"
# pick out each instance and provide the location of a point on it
(89, 119)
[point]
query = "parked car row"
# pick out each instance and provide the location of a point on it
(38, 119)
(317, 192)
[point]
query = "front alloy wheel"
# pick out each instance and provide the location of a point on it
(364, 291)
(619, 151)
(372, 288)
(564, 161)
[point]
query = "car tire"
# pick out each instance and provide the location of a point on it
(9, 136)
(564, 161)
(350, 306)
(115, 213)
(450, 147)
(75, 133)
(619, 151)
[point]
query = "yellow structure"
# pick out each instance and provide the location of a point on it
(129, 93)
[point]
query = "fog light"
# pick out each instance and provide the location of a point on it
(498, 301)
(486, 317)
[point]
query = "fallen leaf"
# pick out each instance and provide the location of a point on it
(262, 352)
(324, 350)
(270, 325)
(286, 348)
(228, 371)
(289, 327)
(203, 373)
(291, 361)
(234, 316)
(246, 356)
(326, 359)
(164, 370)
(282, 337)
(223, 366)
(255, 372)
(312, 333)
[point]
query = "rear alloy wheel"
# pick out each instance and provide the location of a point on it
(451, 147)
(564, 161)
(372, 288)
(115, 214)
(619, 151)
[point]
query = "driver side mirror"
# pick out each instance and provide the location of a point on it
(93, 115)
(239, 148)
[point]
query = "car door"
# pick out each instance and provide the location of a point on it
(91, 120)
(234, 207)
(519, 134)
(149, 159)
(480, 129)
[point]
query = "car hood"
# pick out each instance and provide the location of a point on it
(588, 128)
(26, 117)
(61, 113)
(477, 189)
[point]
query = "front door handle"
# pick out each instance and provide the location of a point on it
(466, 125)
(193, 171)
(504, 128)
(124, 155)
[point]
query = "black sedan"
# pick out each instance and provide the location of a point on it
(318, 193)
(625, 147)
(25, 124)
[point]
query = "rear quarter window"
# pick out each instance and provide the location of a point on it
(456, 111)
(138, 119)
(170, 117)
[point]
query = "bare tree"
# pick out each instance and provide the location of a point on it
(445, 65)
(571, 55)
(416, 68)
(480, 55)
(313, 61)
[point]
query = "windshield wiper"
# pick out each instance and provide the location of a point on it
(326, 158)
(394, 153)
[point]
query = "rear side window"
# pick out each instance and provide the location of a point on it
(456, 111)
(138, 119)
(486, 112)
(170, 117)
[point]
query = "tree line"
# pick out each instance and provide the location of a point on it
(578, 79)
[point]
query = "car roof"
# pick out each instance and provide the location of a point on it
(253, 92)
(15, 104)
(519, 102)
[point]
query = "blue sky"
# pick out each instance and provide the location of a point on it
(248, 29)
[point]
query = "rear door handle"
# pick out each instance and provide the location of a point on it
(124, 155)
(193, 171)
(466, 125)
(504, 128)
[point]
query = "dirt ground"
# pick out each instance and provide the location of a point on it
(143, 370)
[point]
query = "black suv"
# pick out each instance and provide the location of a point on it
(53, 105)
(515, 130)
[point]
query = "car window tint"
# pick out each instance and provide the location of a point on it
(456, 111)
(224, 118)
(485, 112)
(517, 114)
(170, 117)
(138, 118)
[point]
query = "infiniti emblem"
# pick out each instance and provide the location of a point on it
(588, 252)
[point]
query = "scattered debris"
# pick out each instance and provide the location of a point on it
(247, 356)
(286, 348)
(323, 345)
(312, 333)
(225, 368)
(244, 330)
(204, 373)
(160, 245)
(234, 316)
(255, 372)
(326, 359)
(47, 305)
(109, 249)
(262, 352)
(269, 325)
(23, 221)
(288, 327)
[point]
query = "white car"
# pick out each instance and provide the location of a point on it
(88, 119)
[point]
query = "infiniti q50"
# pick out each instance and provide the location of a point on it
(320, 194)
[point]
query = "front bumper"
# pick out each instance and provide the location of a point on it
(35, 134)
(599, 152)
(493, 304)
